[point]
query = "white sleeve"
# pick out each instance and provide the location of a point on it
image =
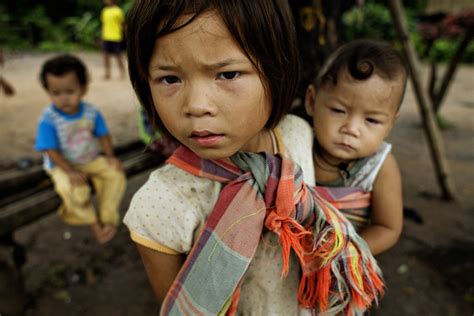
(169, 209)
(297, 136)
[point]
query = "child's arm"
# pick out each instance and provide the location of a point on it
(6, 87)
(108, 149)
(387, 208)
(161, 269)
(75, 176)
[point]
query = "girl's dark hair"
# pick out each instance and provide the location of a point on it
(362, 58)
(61, 65)
(264, 29)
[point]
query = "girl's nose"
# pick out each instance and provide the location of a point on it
(200, 102)
(351, 127)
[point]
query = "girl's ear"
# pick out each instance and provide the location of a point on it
(310, 99)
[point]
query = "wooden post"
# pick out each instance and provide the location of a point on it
(448, 77)
(435, 141)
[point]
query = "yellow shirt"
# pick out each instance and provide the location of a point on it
(112, 19)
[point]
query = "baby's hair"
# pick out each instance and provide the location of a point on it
(61, 65)
(362, 58)
(264, 29)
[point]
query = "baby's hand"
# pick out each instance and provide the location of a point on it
(77, 177)
(114, 162)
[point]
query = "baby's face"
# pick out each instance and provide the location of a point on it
(352, 118)
(65, 91)
(206, 91)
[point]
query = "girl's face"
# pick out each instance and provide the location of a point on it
(352, 118)
(207, 92)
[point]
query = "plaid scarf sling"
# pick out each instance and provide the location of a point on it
(339, 273)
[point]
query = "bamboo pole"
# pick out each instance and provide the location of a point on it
(448, 77)
(435, 141)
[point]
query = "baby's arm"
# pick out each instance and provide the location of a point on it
(108, 149)
(75, 176)
(387, 208)
(161, 269)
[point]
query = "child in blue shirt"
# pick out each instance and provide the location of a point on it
(70, 133)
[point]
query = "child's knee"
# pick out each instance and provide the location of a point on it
(117, 178)
(81, 195)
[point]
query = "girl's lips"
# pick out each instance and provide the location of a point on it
(206, 138)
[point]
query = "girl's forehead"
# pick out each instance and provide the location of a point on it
(205, 22)
(204, 37)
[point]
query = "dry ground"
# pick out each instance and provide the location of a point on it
(429, 272)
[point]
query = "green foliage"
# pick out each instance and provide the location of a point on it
(443, 123)
(84, 30)
(444, 49)
(373, 20)
(127, 5)
(49, 26)
(370, 21)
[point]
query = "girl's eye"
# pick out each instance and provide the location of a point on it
(336, 110)
(169, 79)
(228, 75)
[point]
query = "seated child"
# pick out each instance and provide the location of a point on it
(69, 133)
(354, 103)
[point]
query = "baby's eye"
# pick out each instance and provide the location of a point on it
(169, 79)
(228, 75)
(373, 121)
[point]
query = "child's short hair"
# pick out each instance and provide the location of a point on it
(264, 29)
(62, 64)
(362, 58)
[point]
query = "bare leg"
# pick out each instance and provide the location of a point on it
(120, 65)
(107, 65)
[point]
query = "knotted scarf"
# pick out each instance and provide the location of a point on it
(263, 190)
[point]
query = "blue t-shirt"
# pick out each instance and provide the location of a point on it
(73, 135)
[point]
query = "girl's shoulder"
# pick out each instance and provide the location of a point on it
(292, 125)
(170, 206)
(168, 187)
(297, 138)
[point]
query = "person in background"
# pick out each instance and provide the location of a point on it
(70, 133)
(112, 19)
(4, 84)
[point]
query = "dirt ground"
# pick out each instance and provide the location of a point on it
(429, 272)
